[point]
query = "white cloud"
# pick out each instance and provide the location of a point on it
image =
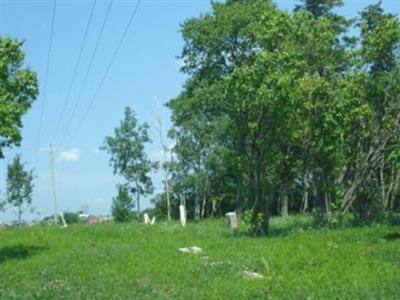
(69, 155)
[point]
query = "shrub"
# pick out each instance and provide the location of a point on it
(122, 205)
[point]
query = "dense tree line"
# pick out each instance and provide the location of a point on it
(287, 112)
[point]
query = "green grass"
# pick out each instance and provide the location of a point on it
(134, 261)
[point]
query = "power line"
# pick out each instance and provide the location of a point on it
(88, 69)
(77, 64)
(47, 73)
(1, 17)
(114, 56)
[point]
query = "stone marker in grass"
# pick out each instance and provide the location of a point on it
(252, 275)
(192, 250)
(182, 213)
(146, 218)
(231, 220)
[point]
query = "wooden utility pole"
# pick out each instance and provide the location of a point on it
(51, 151)
(53, 181)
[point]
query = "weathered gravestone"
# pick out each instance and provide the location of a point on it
(182, 214)
(146, 218)
(251, 275)
(231, 219)
(192, 250)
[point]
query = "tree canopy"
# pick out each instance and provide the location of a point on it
(19, 186)
(128, 156)
(18, 90)
(287, 112)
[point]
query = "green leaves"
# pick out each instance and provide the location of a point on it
(128, 156)
(18, 90)
(289, 105)
(122, 205)
(19, 186)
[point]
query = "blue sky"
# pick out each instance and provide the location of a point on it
(145, 75)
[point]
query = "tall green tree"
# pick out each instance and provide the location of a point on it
(246, 68)
(128, 155)
(319, 8)
(216, 44)
(18, 90)
(122, 205)
(19, 186)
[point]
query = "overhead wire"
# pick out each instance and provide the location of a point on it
(109, 66)
(46, 77)
(89, 68)
(75, 70)
(1, 17)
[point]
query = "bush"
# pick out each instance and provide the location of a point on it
(258, 224)
(122, 206)
(333, 220)
(71, 218)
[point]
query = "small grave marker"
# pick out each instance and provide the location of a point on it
(146, 218)
(231, 219)
(182, 214)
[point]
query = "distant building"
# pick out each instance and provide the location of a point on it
(92, 219)
(83, 217)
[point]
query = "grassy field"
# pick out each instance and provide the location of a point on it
(134, 261)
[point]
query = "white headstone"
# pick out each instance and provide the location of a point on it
(182, 213)
(146, 218)
(252, 275)
(231, 219)
(63, 220)
(192, 250)
(153, 220)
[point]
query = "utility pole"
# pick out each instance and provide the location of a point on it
(51, 151)
(53, 179)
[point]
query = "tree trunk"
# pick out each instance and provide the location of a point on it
(203, 207)
(369, 165)
(285, 206)
(214, 207)
(138, 205)
(237, 198)
(196, 205)
(327, 203)
(382, 183)
(394, 191)
(304, 206)
(19, 214)
(138, 200)
(305, 202)
(260, 218)
(242, 151)
(168, 199)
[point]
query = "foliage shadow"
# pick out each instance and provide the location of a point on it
(18, 252)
